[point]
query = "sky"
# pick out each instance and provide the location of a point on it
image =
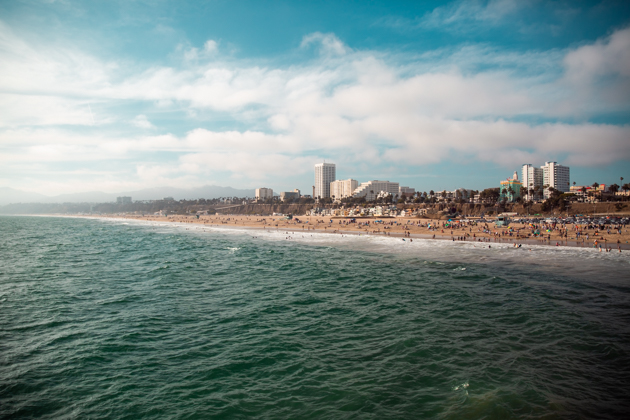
(118, 96)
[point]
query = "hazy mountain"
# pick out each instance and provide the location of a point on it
(11, 195)
(207, 191)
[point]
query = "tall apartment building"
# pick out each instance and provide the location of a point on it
(123, 200)
(371, 189)
(343, 189)
(325, 173)
(532, 177)
(556, 176)
(551, 174)
(264, 193)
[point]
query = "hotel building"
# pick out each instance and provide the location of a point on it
(325, 173)
(510, 189)
(532, 177)
(264, 193)
(371, 189)
(550, 174)
(556, 176)
(343, 189)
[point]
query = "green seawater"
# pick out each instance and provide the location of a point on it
(122, 320)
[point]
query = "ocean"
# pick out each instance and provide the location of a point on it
(135, 320)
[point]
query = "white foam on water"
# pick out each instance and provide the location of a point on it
(589, 262)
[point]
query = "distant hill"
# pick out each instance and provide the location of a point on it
(12, 196)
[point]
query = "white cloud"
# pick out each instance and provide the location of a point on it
(363, 107)
(191, 54)
(609, 56)
(329, 43)
(460, 15)
(141, 121)
(211, 46)
(471, 10)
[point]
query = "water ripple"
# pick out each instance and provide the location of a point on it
(109, 320)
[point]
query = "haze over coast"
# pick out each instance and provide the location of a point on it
(11, 195)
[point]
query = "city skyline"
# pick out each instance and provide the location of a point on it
(120, 97)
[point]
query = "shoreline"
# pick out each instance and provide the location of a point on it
(400, 230)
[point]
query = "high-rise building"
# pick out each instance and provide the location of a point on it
(556, 176)
(532, 178)
(264, 193)
(325, 173)
(123, 200)
(343, 189)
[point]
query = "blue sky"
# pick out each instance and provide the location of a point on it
(123, 95)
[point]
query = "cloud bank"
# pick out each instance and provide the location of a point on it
(61, 105)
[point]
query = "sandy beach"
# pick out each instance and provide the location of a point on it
(516, 233)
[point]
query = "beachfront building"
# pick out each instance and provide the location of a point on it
(342, 189)
(371, 189)
(289, 195)
(325, 173)
(590, 192)
(556, 176)
(532, 180)
(264, 193)
(510, 189)
(123, 200)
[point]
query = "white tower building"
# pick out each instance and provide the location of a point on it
(325, 173)
(556, 176)
(532, 177)
(264, 193)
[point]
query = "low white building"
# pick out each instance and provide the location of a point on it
(371, 189)
(342, 189)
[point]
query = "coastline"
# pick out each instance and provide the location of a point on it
(402, 228)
